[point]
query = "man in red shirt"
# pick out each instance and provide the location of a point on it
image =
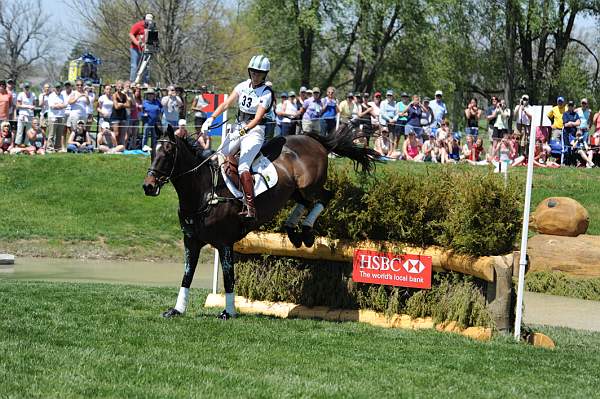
(136, 38)
(6, 100)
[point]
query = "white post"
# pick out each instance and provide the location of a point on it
(215, 272)
(525, 230)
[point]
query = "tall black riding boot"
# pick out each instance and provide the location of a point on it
(248, 187)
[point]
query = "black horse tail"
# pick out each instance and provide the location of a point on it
(341, 143)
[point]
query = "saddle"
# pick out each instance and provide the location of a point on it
(270, 150)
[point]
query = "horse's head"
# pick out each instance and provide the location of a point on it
(164, 158)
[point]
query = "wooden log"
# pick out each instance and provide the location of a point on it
(343, 251)
(577, 256)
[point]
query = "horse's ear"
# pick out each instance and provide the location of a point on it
(170, 132)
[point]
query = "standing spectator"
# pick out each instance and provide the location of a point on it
(66, 95)
(25, 105)
(43, 104)
(134, 118)
(7, 140)
(366, 116)
(311, 112)
(428, 122)
(79, 101)
(523, 118)
(56, 119)
(556, 117)
(118, 118)
(570, 123)
(183, 108)
(401, 115)
(136, 39)
(302, 96)
(12, 112)
(439, 109)
(181, 129)
(330, 112)
(105, 105)
(585, 114)
(348, 108)
(36, 138)
(490, 116)
(107, 142)
(288, 113)
(387, 116)
(472, 114)
(413, 117)
(375, 106)
(151, 116)
(5, 102)
(79, 140)
(278, 113)
(89, 89)
(502, 115)
(171, 104)
(198, 105)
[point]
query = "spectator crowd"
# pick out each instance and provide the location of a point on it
(72, 117)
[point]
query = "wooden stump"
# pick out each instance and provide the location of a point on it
(576, 256)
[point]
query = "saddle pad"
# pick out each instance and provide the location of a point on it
(263, 172)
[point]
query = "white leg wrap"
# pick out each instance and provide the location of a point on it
(182, 299)
(313, 215)
(295, 215)
(230, 303)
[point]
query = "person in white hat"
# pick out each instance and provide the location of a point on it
(439, 108)
(523, 117)
(181, 129)
(107, 141)
(255, 100)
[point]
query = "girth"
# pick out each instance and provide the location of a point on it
(244, 117)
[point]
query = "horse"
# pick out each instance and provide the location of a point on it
(209, 214)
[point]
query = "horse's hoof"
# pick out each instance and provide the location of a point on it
(294, 236)
(225, 316)
(171, 313)
(308, 236)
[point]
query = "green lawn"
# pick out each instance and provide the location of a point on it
(60, 340)
(93, 205)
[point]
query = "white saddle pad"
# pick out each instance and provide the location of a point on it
(263, 172)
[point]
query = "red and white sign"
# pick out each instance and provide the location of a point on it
(391, 269)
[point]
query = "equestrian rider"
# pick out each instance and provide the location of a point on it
(255, 100)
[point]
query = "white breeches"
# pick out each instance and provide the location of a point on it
(249, 145)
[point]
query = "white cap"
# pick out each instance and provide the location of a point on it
(105, 125)
(149, 17)
(182, 122)
(438, 93)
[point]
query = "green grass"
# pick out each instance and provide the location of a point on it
(92, 340)
(93, 205)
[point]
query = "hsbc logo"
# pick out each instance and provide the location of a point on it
(413, 266)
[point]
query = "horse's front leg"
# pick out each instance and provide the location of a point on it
(192, 247)
(226, 257)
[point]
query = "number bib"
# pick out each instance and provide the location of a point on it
(249, 99)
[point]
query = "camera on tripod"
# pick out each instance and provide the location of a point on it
(151, 33)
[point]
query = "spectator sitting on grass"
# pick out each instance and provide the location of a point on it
(431, 151)
(203, 143)
(36, 138)
(107, 142)
(581, 148)
(411, 150)
(79, 140)
(540, 156)
(595, 147)
(383, 145)
(181, 129)
(7, 140)
(474, 152)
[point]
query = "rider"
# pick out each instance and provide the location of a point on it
(255, 100)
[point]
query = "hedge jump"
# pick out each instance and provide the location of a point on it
(496, 271)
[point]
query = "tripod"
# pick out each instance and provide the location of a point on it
(143, 65)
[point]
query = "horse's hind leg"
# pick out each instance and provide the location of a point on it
(308, 234)
(226, 257)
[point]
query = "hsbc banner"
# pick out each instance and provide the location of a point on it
(391, 269)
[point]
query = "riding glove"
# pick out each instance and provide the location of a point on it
(206, 124)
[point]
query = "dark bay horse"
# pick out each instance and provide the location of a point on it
(208, 213)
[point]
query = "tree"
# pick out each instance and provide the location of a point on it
(25, 37)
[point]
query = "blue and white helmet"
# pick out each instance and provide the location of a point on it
(260, 63)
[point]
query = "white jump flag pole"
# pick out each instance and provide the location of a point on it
(525, 231)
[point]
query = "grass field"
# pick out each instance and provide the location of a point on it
(60, 340)
(93, 205)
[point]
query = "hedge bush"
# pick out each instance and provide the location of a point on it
(453, 297)
(470, 210)
(558, 283)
